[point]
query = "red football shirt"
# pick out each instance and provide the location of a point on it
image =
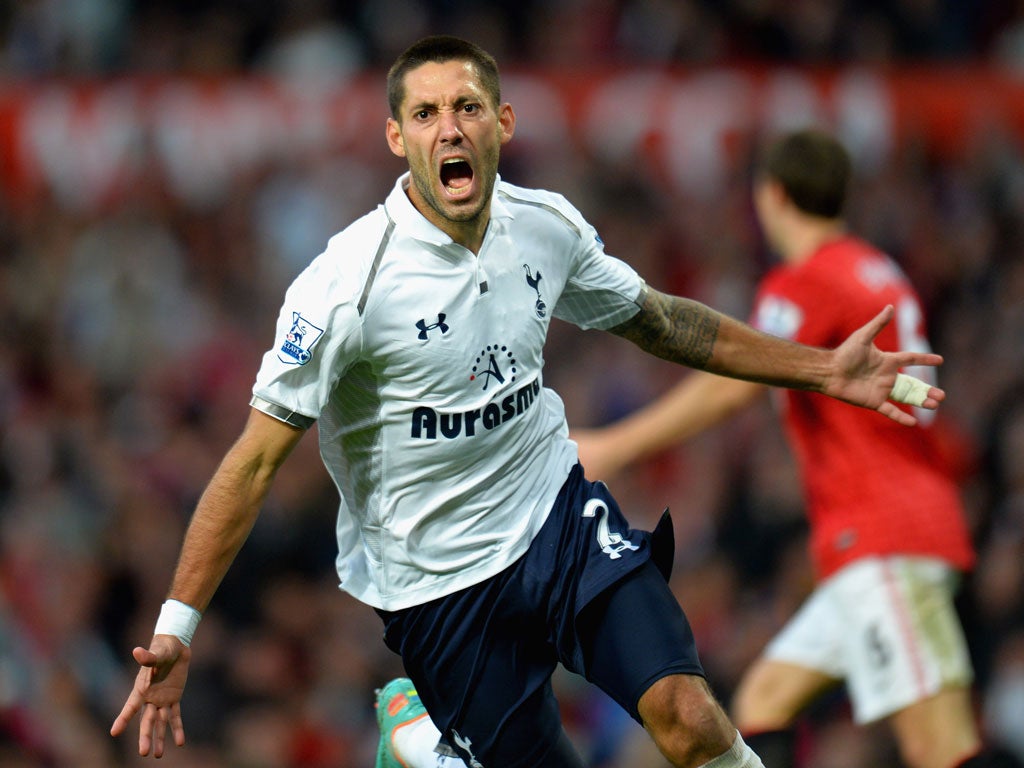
(872, 486)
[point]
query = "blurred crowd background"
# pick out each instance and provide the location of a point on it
(131, 330)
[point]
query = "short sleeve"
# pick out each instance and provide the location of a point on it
(602, 291)
(316, 340)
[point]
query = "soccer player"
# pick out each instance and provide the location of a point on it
(415, 342)
(888, 534)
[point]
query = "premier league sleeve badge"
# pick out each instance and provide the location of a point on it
(297, 348)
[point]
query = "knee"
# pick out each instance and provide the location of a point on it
(685, 721)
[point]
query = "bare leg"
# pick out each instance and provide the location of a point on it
(937, 732)
(772, 693)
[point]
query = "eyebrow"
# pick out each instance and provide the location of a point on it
(431, 105)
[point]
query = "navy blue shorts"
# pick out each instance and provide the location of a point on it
(587, 594)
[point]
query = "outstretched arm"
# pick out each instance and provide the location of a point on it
(857, 372)
(698, 402)
(219, 526)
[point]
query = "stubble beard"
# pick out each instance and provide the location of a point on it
(459, 213)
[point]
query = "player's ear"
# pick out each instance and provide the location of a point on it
(393, 134)
(506, 122)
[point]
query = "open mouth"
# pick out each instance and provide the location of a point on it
(456, 175)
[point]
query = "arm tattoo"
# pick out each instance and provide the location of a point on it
(681, 330)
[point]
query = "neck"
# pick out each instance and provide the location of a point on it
(469, 234)
(807, 235)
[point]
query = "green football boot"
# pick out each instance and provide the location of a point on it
(397, 705)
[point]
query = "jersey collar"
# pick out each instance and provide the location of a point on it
(400, 209)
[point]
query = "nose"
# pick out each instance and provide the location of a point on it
(450, 130)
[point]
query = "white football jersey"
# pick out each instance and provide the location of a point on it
(422, 365)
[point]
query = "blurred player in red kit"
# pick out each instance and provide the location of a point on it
(888, 536)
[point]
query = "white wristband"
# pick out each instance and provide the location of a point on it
(178, 619)
(909, 390)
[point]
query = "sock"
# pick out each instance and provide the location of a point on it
(738, 756)
(414, 743)
(991, 758)
(776, 748)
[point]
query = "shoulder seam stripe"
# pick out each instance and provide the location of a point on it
(375, 266)
(549, 208)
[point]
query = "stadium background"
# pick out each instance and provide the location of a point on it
(166, 167)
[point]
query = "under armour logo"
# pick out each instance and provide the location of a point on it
(440, 324)
(612, 544)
